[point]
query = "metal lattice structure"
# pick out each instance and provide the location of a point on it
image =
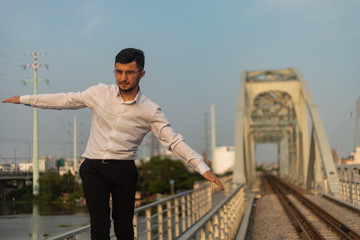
(276, 106)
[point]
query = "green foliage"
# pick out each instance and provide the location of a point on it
(76, 194)
(67, 183)
(53, 186)
(23, 194)
(260, 169)
(50, 186)
(156, 174)
(154, 177)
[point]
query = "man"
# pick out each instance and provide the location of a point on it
(121, 117)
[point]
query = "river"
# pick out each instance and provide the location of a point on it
(38, 222)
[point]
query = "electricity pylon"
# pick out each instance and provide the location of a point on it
(35, 65)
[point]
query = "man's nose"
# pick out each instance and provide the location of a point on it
(123, 76)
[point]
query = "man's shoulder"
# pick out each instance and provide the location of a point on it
(145, 101)
(103, 87)
(106, 86)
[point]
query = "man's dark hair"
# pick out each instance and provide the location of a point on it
(129, 55)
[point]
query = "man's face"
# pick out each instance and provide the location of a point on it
(128, 76)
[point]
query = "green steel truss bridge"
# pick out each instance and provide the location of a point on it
(277, 106)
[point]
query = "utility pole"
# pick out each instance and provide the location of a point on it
(206, 129)
(15, 157)
(213, 135)
(75, 148)
(155, 148)
(356, 137)
(35, 65)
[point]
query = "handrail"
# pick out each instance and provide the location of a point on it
(71, 234)
(349, 181)
(170, 217)
(221, 221)
(173, 215)
(165, 200)
(179, 211)
(245, 220)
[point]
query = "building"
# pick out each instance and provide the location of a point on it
(45, 164)
(224, 159)
(354, 157)
(66, 165)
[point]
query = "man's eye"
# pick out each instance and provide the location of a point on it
(130, 72)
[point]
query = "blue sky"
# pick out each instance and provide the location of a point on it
(195, 53)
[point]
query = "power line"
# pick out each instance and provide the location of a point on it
(12, 81)
(344, 134)
(11, 75)
(52, 77)
(23, 140)
(7, 63)
(13, 41)
(53, 88)
(341, 129)
(17, 59)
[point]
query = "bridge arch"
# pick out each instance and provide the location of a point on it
(276, 106)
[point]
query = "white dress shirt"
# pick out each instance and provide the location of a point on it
(118, 127)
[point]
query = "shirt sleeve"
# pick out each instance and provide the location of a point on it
(175, 143)
(70, 100)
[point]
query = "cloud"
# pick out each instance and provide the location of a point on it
(283, 4)
(319, 10)
(91, 26)
(92, 12)
(91, 8)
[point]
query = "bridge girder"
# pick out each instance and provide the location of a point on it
(276, 106)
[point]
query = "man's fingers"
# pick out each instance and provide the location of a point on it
(218, 182)
(15, 99)
(212, 178)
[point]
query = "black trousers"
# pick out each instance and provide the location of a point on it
(100, 178)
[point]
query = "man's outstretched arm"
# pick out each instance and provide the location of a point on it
(15, 99)
(69, 100)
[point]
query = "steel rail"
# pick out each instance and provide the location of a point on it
(302, 225)
(342, 229)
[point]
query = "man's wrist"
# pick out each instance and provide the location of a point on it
(202, 168)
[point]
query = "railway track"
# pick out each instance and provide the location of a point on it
(310, 220)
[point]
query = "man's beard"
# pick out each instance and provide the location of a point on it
(129, 89)
(132, 88)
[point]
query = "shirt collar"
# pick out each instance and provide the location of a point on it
(136, 99)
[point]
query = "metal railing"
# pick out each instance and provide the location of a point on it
(222, 222)
(170, 217)
(226, 181)
(349, 179)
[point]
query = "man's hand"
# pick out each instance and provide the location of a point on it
(209, 175)
(15, 99)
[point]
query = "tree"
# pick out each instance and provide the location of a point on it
(157, 173)
(50, 186)
(23, 194)
(67, 183)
